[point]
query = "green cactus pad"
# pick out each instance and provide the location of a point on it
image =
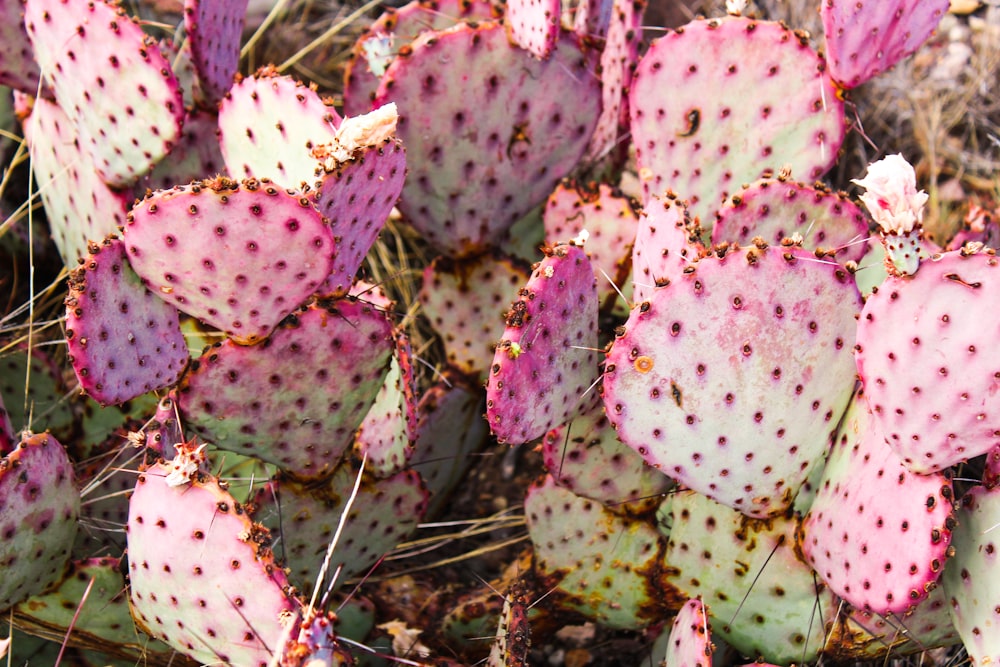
(269, 125)
(237, 256)
(79, 206)
(600, 563)
(487, 145)
(610, 220)
(763, 599)
(296, 399)
(732, 380)
(867, 505)
(202, 579)
(586, 457)
(112, 81)
(545, 366)
(970, 581)
(775, 209)
(305, 517)
(465, 302)
(357, 195)
(393, 30)
(123, 341)
(39, 506)
(931, 383)
(717, 103)
(35, 392)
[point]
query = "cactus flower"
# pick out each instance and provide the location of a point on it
(892, 197)
(897, 206)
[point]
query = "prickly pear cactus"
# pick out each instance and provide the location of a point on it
(238, 256)
(930, 383)
(666, 245)
(771, 106)
(214, 31)
(39, 506)
(123, 340)
(18, 68)
(95, 56)
(868, 503)
(690, 642)
(893, 31)
(485, 149)
(202, 576)
(732, 380)
(533, 25)
(545, 366)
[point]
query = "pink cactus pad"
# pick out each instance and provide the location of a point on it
(195, 156)
(79, 206)
(599, 560)
(357, 196)
(666, 245)
(866, 38)
(484, 149)
(929, 623)
(240, 257)
(513, 638)
(387, 434)
(618, 61)
(690, 642)
(586, 457)
(765, 601)
(465, 302)
(533, 25)
(269, 125)
(732, 379)
(215, 29)
(970, 580)
(122, 340)
(775, 209)
(867, 505)
(545, 366)
(932, 382)
(306, 517)
(593, 18)
(296, 399)
(39, 506)
(717, 103)
(18, 69)
(610, 220)
(202, 579)
(393, 30)
(112, 81)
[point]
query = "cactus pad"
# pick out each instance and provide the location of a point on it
(18, 68)
(666, 245)
(123, 341)
(200, 578)
(357, 196)
(382, 515)
(533, 25)
(775, 209)
(690, 642)
(112, 81)
(716, 104)
(931, 383)
(79, 206)
(867, 505)
(893, 30)
(238, 256)
(39, 506)
(269, 125)
(545, 366)
(296, 399)
(486, 148)
(465, 301)
(970, 581)
(196, 155)
(214, 29)
(732, 380)
(598, 561)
